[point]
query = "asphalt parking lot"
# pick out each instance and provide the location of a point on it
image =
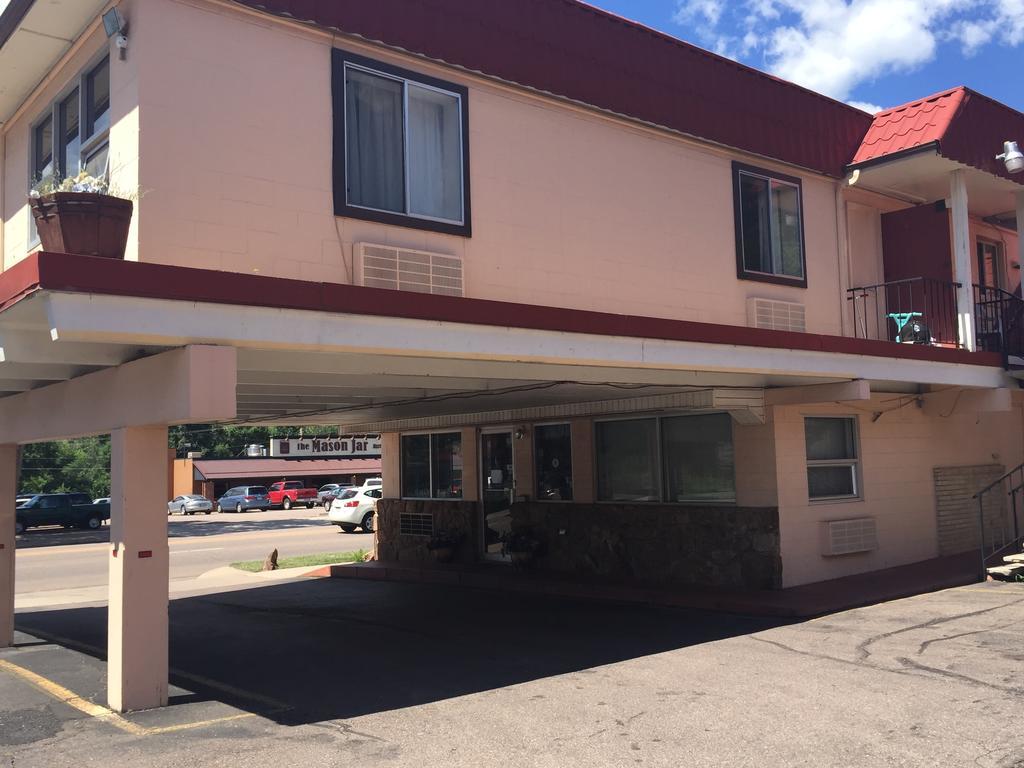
(333, 672)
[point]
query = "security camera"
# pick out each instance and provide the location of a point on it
(1012, 157)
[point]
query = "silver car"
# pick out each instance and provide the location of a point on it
(191, 504)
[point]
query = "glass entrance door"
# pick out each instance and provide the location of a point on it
(497, 484)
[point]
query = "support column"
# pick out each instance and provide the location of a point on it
(962, 272)
(137, 623)
(8, 490)
(1020, 231)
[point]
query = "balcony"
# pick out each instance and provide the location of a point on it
(921, 310)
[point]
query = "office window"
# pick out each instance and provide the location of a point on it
(627, 460)
(431, 466)
(832, 463)
(675, 459)
(769, 226)
(552, 451)
(401, 147)
(416, 466)
(446, 465)
(698, 458)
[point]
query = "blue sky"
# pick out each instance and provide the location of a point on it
(872, 53)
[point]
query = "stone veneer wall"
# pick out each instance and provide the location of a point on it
(461, 518)
(660, 545)
(657, 545)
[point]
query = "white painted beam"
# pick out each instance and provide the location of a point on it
(42, 371)
(962, 272)
(195, 384)
(819, 393)
(19, 346)
(490, 351)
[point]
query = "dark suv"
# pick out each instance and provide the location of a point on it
(72, 510)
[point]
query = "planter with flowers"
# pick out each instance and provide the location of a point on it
(443, 545)
(81, 215)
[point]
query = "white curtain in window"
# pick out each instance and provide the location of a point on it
(374, 155)
(435, 147)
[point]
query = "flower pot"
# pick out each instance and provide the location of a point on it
(84, 223)
(443, 554)
(523, 557)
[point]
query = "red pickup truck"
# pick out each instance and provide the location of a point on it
(288, 493)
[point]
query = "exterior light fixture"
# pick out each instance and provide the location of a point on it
(116, 27)
(1012, 157)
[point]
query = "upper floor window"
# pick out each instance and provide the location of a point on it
(73, 132)
(401, 149)
(832, 457)
(769, 226)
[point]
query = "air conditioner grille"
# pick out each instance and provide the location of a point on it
(844, 537)
(381, 266)
(776, 315)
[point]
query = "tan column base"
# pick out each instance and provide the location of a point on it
(137, 623)
(8, 490)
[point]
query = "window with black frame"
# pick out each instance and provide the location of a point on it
(73, 133)
(552, 450)
(769, 226)
(431, 466)
(401, 146)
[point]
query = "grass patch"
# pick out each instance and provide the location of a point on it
(326, 558)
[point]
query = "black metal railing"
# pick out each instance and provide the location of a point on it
(916, 310)
(999, 321)
(999, 512)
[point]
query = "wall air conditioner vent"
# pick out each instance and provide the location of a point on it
(776, 315)
(844, 537)
(403, 269)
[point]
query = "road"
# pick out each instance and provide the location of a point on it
(54, 559)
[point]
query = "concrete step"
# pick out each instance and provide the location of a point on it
(1017, 558)
(1007, 572)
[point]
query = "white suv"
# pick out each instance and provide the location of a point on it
(355, 508)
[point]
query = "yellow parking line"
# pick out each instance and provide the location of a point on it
(274, 705)
(72, 699)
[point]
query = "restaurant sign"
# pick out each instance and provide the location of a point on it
(350, 447)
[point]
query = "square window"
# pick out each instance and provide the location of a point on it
(431, 466)
(401, 147)
(769, 226)
(698, 458)
(832, 461)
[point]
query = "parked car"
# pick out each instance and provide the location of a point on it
(355, 508)
(21, 498)
(373, 482)
(287, 493)
(243, 498)
(189, 505)
(72, 510)
(330, 492)
(101, 500)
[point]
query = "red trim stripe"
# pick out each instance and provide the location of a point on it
(68, 273)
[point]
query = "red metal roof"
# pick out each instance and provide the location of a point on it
(910, 125)
(573, 50)
(966, 126)
(279, 469)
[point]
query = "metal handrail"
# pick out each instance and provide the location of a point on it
(1005, 540)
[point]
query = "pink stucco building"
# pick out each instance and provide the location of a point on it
(634, 302)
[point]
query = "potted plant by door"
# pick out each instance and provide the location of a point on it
(81, 215)
(520, 547)
(442, 546)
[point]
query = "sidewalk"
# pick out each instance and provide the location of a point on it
(795, 602)
(223, 579)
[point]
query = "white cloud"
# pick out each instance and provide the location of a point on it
(832, 46)
(866, 106)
